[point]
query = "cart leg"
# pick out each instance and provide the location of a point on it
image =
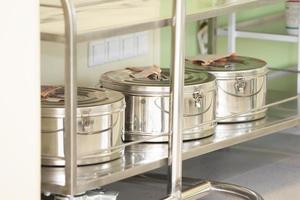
(298, 65)
(70, 139)
(176, 99)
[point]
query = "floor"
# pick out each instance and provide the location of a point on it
(269, 165)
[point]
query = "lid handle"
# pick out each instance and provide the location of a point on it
(240, 85)
(152, 72)
(50, 93)
(198, 99)
(207, 60)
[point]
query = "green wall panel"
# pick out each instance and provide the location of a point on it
(191, 43)
(277, 54)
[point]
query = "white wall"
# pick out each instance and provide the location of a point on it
(52, 62)
(19, 100)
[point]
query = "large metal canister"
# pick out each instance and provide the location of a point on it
(241, 87)
(147, 104)
(100, 124)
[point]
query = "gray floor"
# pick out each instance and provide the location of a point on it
(269, 165)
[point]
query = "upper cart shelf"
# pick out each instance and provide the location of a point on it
(104, 18)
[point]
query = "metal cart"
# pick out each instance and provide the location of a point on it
(282, 114)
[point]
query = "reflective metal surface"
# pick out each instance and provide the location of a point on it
(84, 173)
(242, 86)
(100, 124)
(149, 116)
(130, 82)
(241, 95)
(197, 188)
(145, 157)
(176, 100)
(70, 128)
(96, 194)
(147, 104)
(203, 189)
(99, 11)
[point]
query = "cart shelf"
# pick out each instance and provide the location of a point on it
(141, 158)
(95, 16)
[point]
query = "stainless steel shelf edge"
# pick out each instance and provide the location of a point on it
(277, 127)
(227, 9)
(261, 36)
(113, 177)
(159, 23)
(139, 169)
(145, 157)
(100, 34)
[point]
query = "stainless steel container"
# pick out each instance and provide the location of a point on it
(147, 104)
(100, 116)
(241, 87)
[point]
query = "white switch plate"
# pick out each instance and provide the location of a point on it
(113, 46)
(129, 46)
(97, 53)
(143, 43)
(118, 48)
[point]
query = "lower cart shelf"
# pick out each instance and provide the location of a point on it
(141, 158)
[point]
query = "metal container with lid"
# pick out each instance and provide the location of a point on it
(147, 104)
(100, 117)
(241, 87)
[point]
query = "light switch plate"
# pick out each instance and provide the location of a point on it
(118, 48)
(143, 43)
(97, 53)
(113, 45)
(129, 46)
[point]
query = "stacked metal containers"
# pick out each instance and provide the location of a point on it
(147, 104)
(100, 124)
(241, 87)
(239, 84)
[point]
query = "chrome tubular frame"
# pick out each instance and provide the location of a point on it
(298, 66)
(176, 99)
(231, 33)
(70, 141)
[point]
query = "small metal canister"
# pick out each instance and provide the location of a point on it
(147, 104)
(241, 87)
(100, 124)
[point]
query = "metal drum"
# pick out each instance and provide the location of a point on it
(147, 104)
(241, 87)
(100, 117)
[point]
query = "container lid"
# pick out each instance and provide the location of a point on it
(232, 67)
(126, 81)
(91, 101)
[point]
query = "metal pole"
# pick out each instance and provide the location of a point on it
(298, 65)
(70, 123)
(176, 99)
(212, 35)
(231, 33)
